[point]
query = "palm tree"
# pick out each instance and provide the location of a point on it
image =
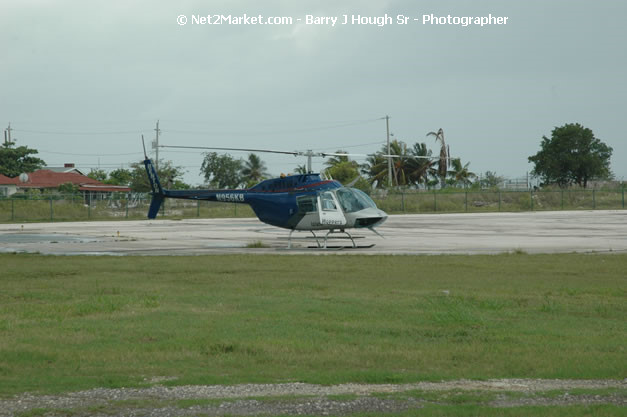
(254, 170)
(301, 169)
(444, 161)
(402, 165)
(420, 166)
(376, 169)
(461, 174)
(336, 160)
(341, 168)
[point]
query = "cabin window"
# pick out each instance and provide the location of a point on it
(327, 202)
(307, 204)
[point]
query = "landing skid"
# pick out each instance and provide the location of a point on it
(342, 247)
(324, 245)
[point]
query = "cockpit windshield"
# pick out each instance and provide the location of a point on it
(352, 199)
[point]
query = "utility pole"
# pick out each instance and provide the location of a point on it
(7, 135)
(157, 146)
(387, 127)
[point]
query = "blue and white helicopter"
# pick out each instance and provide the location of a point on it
(305, 202)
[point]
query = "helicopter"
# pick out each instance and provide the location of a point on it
(303, 202)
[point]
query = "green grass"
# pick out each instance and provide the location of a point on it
(471, 201)
(69, 323)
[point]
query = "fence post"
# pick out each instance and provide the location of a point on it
(198, 208)
(623, 196)
(466, 201)
(127, 198)
(594, 201)
(403, 202)
(435, 201)
(51, 212)
(13, 208)
(562, 200)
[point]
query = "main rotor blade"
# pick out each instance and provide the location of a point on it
(326, 154)
(230, 149)
(303, 153)
(434, 158)
(409, 156)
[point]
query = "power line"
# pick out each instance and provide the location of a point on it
(270, 132)
(350, 146)
(228, 132)
(50, 132)
(90, 154)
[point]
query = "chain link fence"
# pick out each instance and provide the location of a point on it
(495, 201)
(58, 207)
(115, 207)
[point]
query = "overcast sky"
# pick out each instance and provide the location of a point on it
(82, 80)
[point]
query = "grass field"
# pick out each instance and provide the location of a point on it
(69, 323)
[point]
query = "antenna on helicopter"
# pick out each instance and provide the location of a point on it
(144, 145)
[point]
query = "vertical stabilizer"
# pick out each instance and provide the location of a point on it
(155, 185)
(157, 191)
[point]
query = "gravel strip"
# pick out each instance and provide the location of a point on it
(316, 402)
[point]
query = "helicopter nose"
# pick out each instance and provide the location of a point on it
(371, 218)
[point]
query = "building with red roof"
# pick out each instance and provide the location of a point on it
(45, 179)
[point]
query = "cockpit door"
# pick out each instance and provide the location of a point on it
(329, 210)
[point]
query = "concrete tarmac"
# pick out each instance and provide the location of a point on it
(484, 233)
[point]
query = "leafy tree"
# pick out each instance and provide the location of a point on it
(222, 171)
(253, 170)
(16, 160)
(169, 175)
(460, 174)
(342, 168)
(491, 180)
(301, 169)
(344, 172)
(120, 176)
(444, 161)
(68, 188)
(98, 175)
(572, 155)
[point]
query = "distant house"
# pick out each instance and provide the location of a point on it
(7, 187)
(65, 169)
(51, 179)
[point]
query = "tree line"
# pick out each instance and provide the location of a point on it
(572, 156)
